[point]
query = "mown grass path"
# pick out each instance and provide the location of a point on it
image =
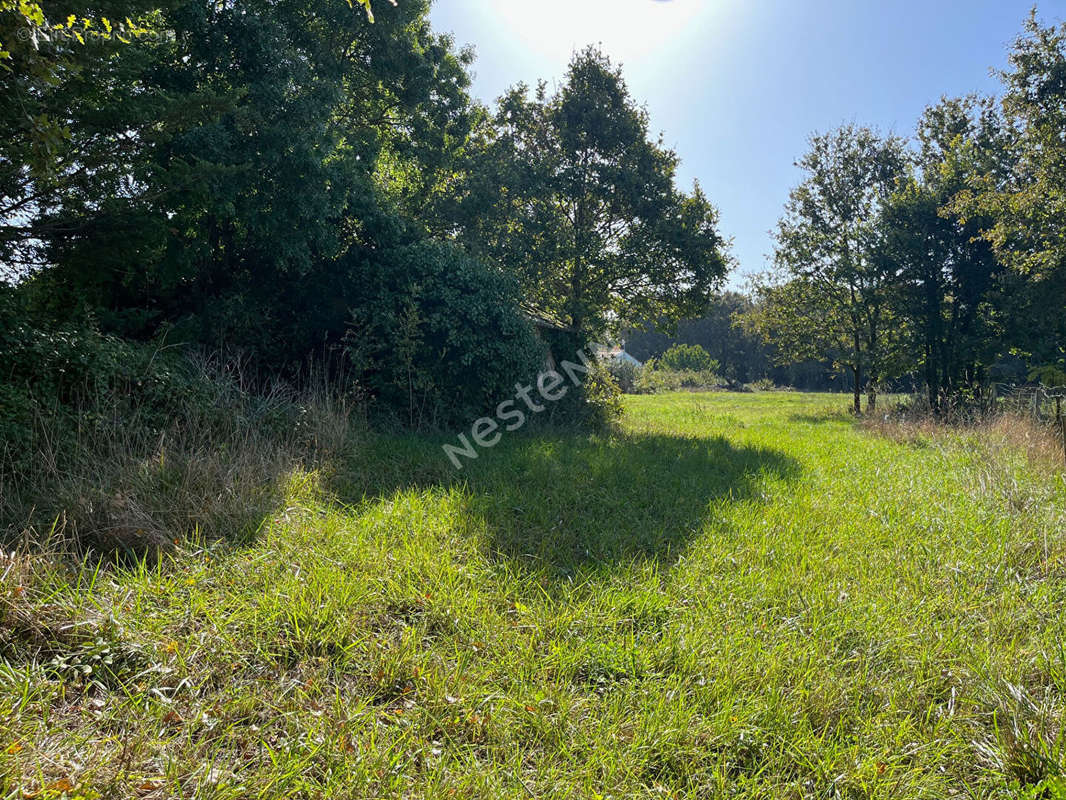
(736, 596)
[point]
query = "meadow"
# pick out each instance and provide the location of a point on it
(733, 595)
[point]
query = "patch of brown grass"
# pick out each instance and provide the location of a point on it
(1041, 443)
(119, 487)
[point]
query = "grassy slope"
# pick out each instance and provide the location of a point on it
(742, 595)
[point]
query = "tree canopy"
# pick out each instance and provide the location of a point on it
(300, 179)
(941, 259)
(570, 193)
(832, 299)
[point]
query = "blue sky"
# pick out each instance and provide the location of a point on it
(738, 86)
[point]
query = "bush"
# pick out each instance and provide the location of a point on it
(600, 398)
(761, 385)
(596, 403)
(55, 371)
(653, 380)
(686, 358)
(625, 374)
(440, 340)
(16, 424)
(681, 367)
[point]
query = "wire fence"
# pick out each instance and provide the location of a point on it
(1041, 403)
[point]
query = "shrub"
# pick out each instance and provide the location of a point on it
(440, 339)
(653, 379)
(53, 370)
(681, 367)
(762, 385)
(600, 399)
(686, 358)
(597, 402)
(625, 374)
(16, 424)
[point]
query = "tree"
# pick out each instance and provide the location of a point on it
(687, 357)
(949, 275)
(219, 173)
(248, 179)
(826, 257)
(1021, 210)
(65, 92)
(799, 322)
(569, 193)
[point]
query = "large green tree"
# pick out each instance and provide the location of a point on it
(217, 173)
(252, 176)
(569, 192)
(950, 279)
(831, 296)
(1022, 211)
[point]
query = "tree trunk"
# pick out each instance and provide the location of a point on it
(932, 381)
(856, 367)
(856, 370)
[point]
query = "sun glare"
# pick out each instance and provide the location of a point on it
(630, 30)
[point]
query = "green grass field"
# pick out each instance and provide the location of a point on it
(735, 596)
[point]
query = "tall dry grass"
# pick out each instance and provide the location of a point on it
(110, 478)
(1007, 431)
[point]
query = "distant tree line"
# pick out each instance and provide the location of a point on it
(743, 356)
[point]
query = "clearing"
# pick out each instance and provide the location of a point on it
(736, 596)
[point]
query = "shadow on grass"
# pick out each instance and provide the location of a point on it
(570, 502)
(560, 501)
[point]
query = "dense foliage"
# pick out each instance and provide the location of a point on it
(303, 180)
(687, 356)
(943, 261)
(569, 192)
(440, 337)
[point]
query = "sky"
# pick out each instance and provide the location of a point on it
(738, 86)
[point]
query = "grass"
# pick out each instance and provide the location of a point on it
(733, 596)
